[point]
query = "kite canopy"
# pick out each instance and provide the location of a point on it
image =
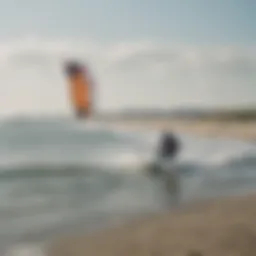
(80, 88)
(73, 68)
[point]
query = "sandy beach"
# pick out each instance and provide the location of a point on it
(224, 227)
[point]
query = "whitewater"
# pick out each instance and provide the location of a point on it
(60, 175)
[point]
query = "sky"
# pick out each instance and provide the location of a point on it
(146, 53)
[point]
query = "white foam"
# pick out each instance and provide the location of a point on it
(207, 151)
(25, 250)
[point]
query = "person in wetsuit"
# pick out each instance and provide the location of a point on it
(169, 146)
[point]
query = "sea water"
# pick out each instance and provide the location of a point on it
(58, 175)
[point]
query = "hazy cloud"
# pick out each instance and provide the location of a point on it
(126, 74)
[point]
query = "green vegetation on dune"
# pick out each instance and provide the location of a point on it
(231, 115)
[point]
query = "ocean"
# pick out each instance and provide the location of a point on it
(60, 175)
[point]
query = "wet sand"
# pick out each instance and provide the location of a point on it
(223, 227)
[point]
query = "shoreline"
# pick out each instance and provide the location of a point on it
(209, 128)
(218, 227)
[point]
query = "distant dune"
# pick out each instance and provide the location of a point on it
(232, 129)
(224, 227)
(237, 124)
(235, 114)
